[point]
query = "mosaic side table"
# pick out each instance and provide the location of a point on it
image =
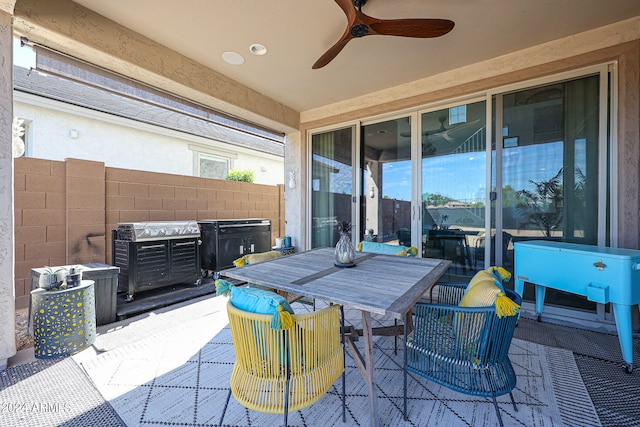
(64, 321)
(105, 288)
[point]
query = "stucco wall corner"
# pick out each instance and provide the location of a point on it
(295, 213)
(7, 292)
(7, 301)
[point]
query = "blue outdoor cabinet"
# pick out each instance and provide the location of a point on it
(601, 274)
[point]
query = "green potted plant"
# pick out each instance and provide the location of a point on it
(52, 278)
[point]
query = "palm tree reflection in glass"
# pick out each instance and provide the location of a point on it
(542, 208)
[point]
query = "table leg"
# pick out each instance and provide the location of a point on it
(366, 365)
(370, 378)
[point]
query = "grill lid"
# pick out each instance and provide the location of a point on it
(157, 230)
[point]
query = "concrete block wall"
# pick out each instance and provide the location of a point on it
(135, 196)
(40, 220)
(85, 211)
(65, 211)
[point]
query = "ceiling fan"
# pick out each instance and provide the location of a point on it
(441, 129)
(360, 25)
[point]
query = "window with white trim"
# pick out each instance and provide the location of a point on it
(210, 166)
(458, 114)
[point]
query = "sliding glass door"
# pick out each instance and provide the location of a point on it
(550, 170)
(386, 178)
(466, 180)
(453, 169)
(550, 162)
(332, 176)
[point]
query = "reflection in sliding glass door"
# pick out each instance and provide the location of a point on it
(453, 186)
(331, 185)
(386, 177)
(550, 173)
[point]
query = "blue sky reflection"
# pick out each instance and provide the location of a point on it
(462, 176)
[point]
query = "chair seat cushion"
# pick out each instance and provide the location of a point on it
(256, 258)
(485, 289)
(483, 294)
(259, 301)
(386, 249)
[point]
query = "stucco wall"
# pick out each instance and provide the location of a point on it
(65, 211)
(58, 131)
(7, 294)
(294, 225)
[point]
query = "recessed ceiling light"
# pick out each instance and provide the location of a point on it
(233, 58)
(258, 49)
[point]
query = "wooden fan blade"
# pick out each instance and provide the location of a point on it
(332, 52)
(348, 9)
(360, 25)
(419, 28)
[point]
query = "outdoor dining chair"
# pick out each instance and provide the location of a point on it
(279, 371)
(478, 252)
(462, 348)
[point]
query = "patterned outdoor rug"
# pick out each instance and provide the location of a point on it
(52, 393)
(179, 376)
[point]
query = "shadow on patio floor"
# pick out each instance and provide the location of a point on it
(58, 392)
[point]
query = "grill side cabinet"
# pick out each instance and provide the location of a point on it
(225, 240)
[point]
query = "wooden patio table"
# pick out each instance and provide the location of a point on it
(377, 284)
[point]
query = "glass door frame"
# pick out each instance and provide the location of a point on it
(607, 161)
(416, 208)
(413, 119)
(607, 140)
(355, 177)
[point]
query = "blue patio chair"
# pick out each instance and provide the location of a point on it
(462, 348)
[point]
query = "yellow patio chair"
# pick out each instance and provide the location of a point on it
(278, 371)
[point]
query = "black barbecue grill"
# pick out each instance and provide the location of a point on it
(224, 240)
(156, 254)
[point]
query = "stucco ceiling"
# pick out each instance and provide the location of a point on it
(297, 33)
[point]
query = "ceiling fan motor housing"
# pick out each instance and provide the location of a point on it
(359, 30)
(359, 3)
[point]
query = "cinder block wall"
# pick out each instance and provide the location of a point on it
(65, 211)
(40, 219)
(85, 211)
